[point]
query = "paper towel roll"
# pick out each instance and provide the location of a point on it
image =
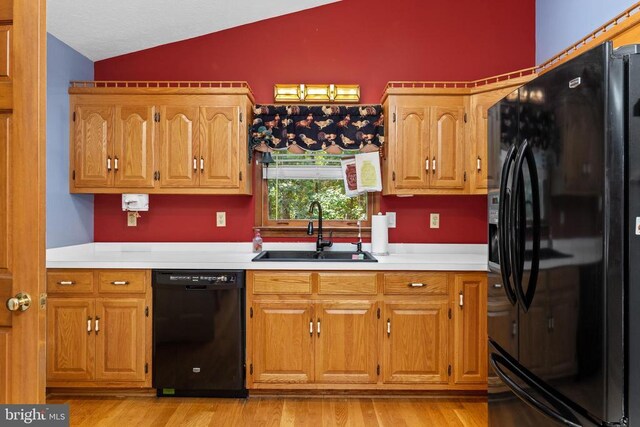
(379, 235)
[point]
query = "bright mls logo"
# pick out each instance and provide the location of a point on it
(37, 415)
(575, 83)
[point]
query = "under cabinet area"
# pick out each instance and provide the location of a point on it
(98, 328)
(172, 140)
(366, 330)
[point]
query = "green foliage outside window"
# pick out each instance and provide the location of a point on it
(290, 199)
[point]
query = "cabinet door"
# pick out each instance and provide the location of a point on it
(70, 339)
(447, 147)
(283, 342)
(93, 146)
(416, 342)
(412, 148)
(219, 146)
(120, 339)
(179, 156)
(346, 344)
(480, 160)
(133, 151)
(470, 329)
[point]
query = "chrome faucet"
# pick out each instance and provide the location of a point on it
(320, 244)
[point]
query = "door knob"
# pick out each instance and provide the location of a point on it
(21, 301)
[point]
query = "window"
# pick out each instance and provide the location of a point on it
(293, 181)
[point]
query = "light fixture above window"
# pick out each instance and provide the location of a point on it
(316, 93)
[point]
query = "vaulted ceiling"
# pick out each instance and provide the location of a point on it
(102, 29)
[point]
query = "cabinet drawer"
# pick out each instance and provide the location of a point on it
(347, 283)
(122, 281)
(416, 283)
(278, 282)
(70, 281)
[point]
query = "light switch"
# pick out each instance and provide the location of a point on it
(221, 219)
(434, 220)
(391, 219)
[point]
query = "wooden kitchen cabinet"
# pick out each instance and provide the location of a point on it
(282, 342)
(98, 336)
(120, 338)
(305, 330)
(470, 325)
(70, 339)
(93, 145)
(179, 148)
(346, 342)
(219, 126)
(416, 342)
(365, 330)
(478, 157)
(113, 146)
(160, 140)
(424, 152)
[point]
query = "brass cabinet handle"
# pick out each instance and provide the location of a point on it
(108, 163)
(388, 327)
(461, 299)
(479, 164)
(433, 164)
(318, 326)
(97, 328)
(89, 319)
(115, 164)
(66, 282)
(120, 282)
(426, 165)
(195, 164)
(201, 164)
(416, 285)
(311, 327)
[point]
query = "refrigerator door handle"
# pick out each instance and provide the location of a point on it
(503, 228)
(518, 236)
(559, 412)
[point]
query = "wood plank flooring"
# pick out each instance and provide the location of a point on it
(274, 411)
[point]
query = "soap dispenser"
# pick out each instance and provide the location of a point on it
(257, 242)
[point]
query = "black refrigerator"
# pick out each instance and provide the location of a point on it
(564, 245)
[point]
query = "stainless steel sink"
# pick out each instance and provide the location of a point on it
(313, 256)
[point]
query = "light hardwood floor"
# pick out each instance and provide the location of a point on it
(270, 411)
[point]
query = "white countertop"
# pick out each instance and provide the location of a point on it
(232, 256)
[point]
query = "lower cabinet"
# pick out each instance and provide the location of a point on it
(98, 328)
(321, 342)
(317, 330)
(416, 343)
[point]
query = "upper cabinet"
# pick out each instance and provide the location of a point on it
(189, 140)
(425, 145)
(436, 135)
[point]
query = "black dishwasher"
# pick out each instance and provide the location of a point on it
(198, 333)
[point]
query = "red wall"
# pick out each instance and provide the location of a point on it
(367, 42)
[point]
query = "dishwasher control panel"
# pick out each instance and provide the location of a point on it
(202, 277)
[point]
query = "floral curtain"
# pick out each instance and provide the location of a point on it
(332, 128)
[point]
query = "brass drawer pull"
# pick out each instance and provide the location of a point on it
(120, 282)
(89, 319)
(416, 285)
(97, 328)
(66, 283)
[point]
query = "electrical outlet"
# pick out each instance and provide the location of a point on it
(434, 220)
(132, 219)
(221, 219)
(391, 219)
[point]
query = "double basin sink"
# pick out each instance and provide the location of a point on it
(315, 256)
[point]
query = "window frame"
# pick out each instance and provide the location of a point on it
(298, 227)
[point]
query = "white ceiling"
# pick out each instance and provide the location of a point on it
(102, 29)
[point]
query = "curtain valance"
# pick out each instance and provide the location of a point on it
(332, 128)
